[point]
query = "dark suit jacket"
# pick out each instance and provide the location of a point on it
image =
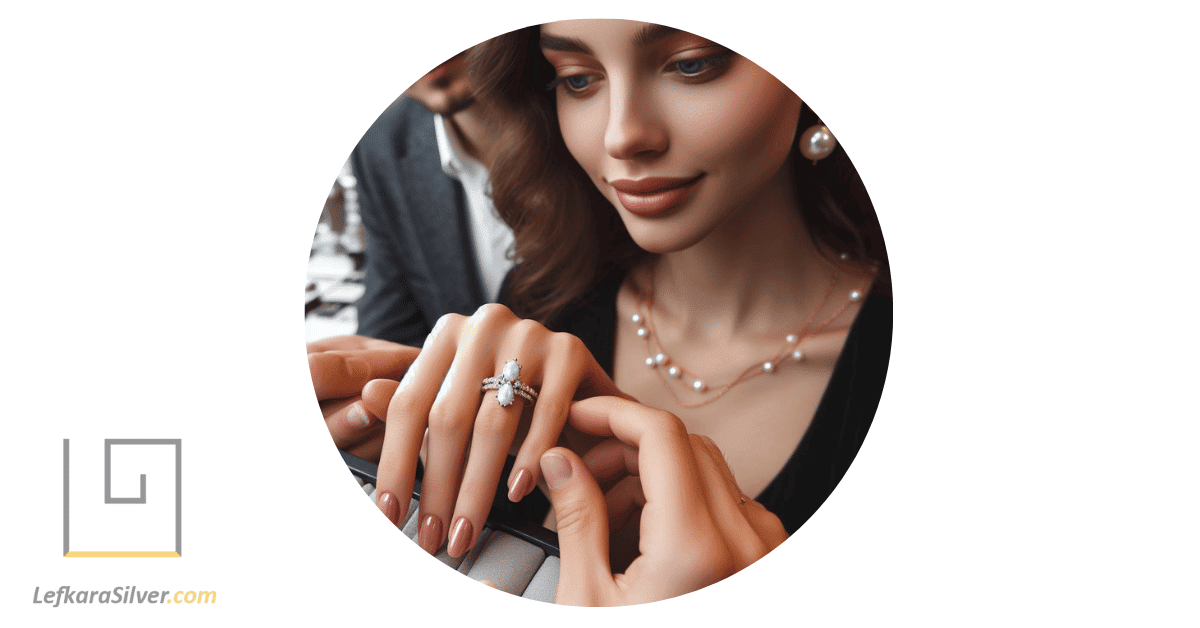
(420, 257)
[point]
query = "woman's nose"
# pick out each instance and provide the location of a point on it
(634, 129)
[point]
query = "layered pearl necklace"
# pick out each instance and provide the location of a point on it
(671, 373)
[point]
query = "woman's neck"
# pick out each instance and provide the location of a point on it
(754, 273)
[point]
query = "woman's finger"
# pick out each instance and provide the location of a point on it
(452, 418)
(666, 465)
(610, 462)
(614, 465)
(683, 548)
(623, 501)
(521, 356)
(407, 415)
(727, 503)
(585, 578)
(565, 362)
(494, 429)
(765, 523)
(672, 466)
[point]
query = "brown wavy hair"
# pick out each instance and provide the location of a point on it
(567, 236)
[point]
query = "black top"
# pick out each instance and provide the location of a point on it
(841, 420)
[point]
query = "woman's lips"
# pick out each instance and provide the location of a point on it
(654, 195)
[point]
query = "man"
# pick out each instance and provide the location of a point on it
(434, 242)
(434, 245)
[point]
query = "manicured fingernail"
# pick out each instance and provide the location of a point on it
(521, 485)
(555, 469)
(429, 535)
(358, 367)
(358, 417)
(389, 506)
(460, 538)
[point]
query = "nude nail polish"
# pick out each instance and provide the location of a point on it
(522, 484)
(358, 417)
(429, 535)
(389, 506)
(555, 469)
(460, 538)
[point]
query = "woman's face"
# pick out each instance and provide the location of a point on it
(679, 133)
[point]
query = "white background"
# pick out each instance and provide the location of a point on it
(1033, 165)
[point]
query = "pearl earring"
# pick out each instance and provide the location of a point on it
(817, 143)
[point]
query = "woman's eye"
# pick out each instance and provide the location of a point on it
(691, 66)
(577, 83)
(707, 67)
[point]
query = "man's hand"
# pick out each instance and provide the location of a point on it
(354, 378)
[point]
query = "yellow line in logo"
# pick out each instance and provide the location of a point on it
(122, 555)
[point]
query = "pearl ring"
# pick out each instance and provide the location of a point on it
(509, 386)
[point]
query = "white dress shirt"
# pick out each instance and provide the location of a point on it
(491, 237)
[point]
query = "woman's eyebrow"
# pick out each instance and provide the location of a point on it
(652, 33)
(564, 44)
(649, 34)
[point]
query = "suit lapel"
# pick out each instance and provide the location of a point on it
(438, 215)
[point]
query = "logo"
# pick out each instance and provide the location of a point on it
(118, 515)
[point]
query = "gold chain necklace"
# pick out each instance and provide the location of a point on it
(670, 371)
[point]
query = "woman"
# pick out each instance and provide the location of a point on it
(674, 248)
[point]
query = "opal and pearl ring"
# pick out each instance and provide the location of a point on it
(508, 386)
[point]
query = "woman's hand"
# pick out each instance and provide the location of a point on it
(697, 527)
(354, 379)
(469, 432)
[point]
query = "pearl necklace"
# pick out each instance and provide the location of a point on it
(656, 357)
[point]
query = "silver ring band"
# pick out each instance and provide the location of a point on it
(494, 383)
(516, 391)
